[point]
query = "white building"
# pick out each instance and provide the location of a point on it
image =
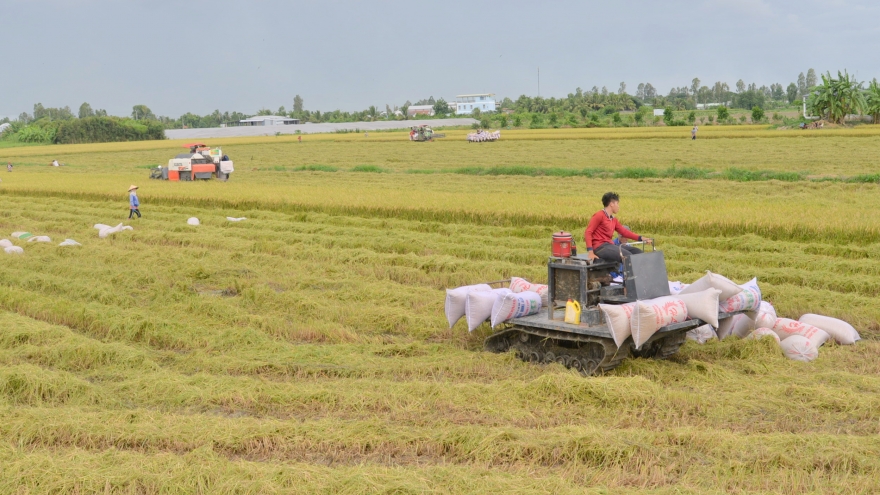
(466, 104)
(268, 120)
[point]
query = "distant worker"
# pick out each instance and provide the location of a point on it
(603, 224)
(9, 166)
(694, 133)
(55, 163)
(299, 139)
(133, 202)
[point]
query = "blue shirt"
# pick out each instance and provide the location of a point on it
(133, 200)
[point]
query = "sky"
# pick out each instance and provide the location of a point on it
(197, 56)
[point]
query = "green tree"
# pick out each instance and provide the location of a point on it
(834, 99)
(615, 117)
(517, 121)
(872, 101)
(142, 112)
(554, 119)
(85, 110)
(791, 93)
(502, 121)
(723, 113)
(692, 117)
(668, 116)
(442, 108)
(811, 79)
(297, 104)
(802, 84)
(757, 114)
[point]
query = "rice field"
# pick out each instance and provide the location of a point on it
(304, 350)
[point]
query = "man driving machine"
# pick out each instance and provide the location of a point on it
(603, 224)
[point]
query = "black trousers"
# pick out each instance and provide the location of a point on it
(133, 211)
(613, 252)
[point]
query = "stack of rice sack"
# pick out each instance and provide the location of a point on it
(478, 303)
(799, 340)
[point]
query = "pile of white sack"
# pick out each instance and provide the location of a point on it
(799, 339)
(478, 303)
(10, 248)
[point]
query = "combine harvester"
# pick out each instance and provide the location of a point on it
(589, 346)
(423, 134)
(201, 163)
(482, 136)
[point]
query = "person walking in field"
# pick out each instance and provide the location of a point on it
(133, 202)
(9, 166)
(602, 226)
(694, 133)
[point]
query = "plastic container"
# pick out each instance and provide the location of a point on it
(561, 247)
(572, 312)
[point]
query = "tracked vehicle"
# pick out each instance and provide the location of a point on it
(589, 346)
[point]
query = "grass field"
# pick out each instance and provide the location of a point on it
(305, 350)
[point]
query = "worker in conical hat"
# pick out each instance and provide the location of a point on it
(133, 202)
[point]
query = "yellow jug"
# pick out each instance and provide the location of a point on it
(572, 312)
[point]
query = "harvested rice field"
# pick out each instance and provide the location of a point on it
(305, 350)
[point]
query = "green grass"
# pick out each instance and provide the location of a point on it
(305, 350)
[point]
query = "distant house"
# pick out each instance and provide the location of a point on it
(266, 120)
(658, 112)
(3, 127)
(466, 104)
(414, 110)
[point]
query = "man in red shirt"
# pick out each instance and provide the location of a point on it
(602, 226)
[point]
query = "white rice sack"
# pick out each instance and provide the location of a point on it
(236, 219)
(70, 242)
(478, 306)
(39, 238)
(618, 317)
(676, 287)
(193, 221)
(739, 325)
(515, 305)
(786, 328)
(760, 333)
(5, 243)
(518, 285)
(841, 331)
(103, 233)
(456, 299)
(703, 305)
(702, 334)
(20, 235)
(127, 228)
(13, 250)
(765, 318)
(101, 226)
(799, 348)
(713, 280)
(653, 314)
(747, 300)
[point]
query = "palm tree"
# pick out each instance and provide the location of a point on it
(837, 98)
(872, 100)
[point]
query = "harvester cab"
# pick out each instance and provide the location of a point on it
(423, 133)
(588, 346)
(201, 163)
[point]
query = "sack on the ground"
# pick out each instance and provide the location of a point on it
(760, 333)
(739, 325)
(70, 242)
(22, 235)
(515, 305)
(456, 299)
(703, 305)
(39, 238)
(747, 300)
(766, 316)
(618, 317)
(103, 233)
(101, 226)
(799, 348)
(13, 250)
(236, 219)
(785, 328)
(192, 221)
(713, 280)
(653, 314)
(6, 243)
(702, 334)
(478, 306)
(518, 285)
(841, 331)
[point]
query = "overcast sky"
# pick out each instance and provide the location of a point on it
(198, 56)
